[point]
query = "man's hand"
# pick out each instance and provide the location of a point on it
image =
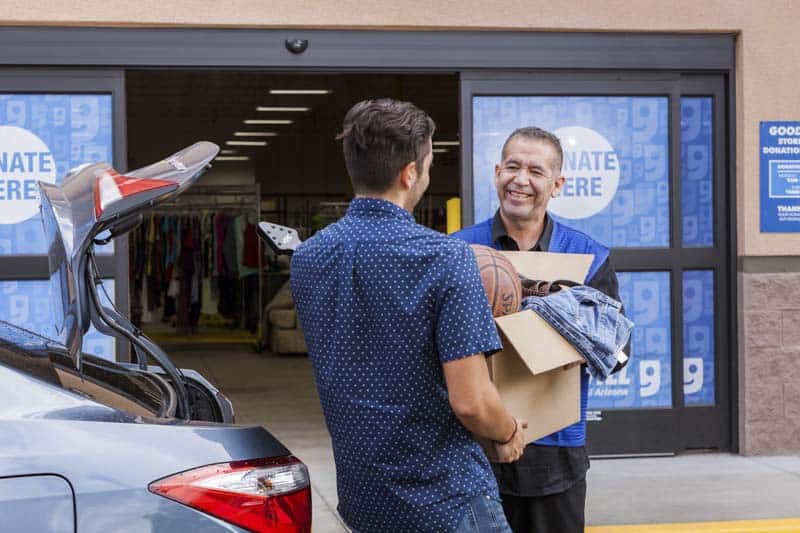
(512, 450)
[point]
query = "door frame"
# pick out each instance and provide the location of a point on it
(613, 435)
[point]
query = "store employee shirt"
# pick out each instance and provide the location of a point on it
(383, 303)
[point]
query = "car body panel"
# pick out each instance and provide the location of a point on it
(143, 512)
(109, 456)
(44, 504)
(111, 483)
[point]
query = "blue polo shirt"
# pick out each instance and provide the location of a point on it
(383, 302)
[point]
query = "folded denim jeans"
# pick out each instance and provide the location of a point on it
(589, 320)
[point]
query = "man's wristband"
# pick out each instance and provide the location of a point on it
(514, 434)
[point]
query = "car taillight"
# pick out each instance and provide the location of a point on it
(263, 495)
(110, 186)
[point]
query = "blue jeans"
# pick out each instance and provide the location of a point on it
(591, 321)
(484, 515)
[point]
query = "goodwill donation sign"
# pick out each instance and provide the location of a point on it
(616, 169)
(779, 156)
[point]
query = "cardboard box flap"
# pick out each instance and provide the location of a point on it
(550, 266)
(534, 341)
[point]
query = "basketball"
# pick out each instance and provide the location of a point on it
(500, 280)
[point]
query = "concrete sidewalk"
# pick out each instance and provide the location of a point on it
(279, 393)
(695, 488)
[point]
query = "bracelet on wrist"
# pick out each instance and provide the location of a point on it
(513, 434)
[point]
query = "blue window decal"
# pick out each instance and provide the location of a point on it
(43, 136)
(697, 171)
(646, 382)
(28, 304)
(698, 337)
(616, 161)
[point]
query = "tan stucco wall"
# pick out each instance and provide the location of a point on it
(768, 59)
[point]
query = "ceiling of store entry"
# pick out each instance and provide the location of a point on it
(168, 109)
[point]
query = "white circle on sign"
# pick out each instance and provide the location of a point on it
(25, 159)
(591, 169)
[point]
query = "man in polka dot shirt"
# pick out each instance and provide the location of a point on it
(396, 323)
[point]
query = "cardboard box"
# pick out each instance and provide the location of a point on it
(529, 370)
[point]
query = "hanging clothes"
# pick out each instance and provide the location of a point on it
(183, 266)
(251, 249)
(240, 229)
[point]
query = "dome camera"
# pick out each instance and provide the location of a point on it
(296, 46)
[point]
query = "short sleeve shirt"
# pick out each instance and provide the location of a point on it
(383, 302)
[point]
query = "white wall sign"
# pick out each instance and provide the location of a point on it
(591, 168)
(24, 160)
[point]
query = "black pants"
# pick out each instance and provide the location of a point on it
(557, 513)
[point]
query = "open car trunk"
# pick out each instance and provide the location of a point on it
(93, 205)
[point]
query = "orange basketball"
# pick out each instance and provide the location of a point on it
(500, 280)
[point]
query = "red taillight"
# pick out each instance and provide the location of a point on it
(110, 187)
(263, 495)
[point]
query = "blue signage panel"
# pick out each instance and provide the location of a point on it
(779, 155)
(698, 337)
(28, 304)
(697, 171)
(42, 136)
(646, 382)
(616, 161)
(616, 164)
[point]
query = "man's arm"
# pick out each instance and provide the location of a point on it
(476, 403)
(464, 326)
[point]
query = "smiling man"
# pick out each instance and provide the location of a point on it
(545, 491)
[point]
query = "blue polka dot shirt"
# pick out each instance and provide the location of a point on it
(383, 303)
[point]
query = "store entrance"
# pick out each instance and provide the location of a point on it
(198, 272)
(202, 286)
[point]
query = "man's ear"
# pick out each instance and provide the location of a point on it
(557, 185)
(408, 176)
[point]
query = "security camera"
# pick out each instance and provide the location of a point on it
(296, 46)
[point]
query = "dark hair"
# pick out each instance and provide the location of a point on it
(379, 138)
(532, 132)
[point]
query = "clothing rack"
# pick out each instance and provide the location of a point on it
(218, 196)
(226, 198)
(195, 208)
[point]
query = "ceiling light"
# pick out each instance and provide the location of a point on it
(246, 143)
(440, 150)
(287, 109)
(228, 152)
(299, 91)
(254, 134)
(268, 121)
(232, 158)
(446, 143)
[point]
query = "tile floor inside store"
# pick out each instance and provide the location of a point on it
(278, 392)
